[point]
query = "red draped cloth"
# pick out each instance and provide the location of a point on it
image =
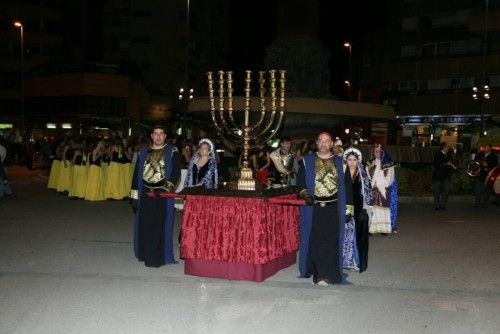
(238, 237)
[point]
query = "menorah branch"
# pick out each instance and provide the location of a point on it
(247, 135)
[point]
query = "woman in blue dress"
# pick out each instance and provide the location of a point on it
(357, 228)
(202, 170)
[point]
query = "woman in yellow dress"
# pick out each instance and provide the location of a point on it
(126, 166)
(95, 179)
(64, 181)
(78, 183)
(114, 187)
(55, 168)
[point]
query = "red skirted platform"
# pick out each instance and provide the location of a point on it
(239, 238)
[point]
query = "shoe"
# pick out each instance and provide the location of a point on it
(322, 283)
(436, 209)
(443, 208)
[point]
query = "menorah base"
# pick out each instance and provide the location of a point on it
(246, 180)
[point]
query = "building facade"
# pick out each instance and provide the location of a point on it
(428, 63)
(151, 47)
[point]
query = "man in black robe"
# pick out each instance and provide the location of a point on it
(157, 171)
(321, 178)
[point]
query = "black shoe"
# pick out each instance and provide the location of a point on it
(443, 208)
(437, 209)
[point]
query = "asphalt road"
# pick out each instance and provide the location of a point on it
(67, 266)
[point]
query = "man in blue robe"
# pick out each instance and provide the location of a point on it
(157, 171)
(321, 178)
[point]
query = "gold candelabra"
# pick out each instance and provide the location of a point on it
(240, 134)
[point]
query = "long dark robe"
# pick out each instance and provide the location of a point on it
(154, 223)
(321, 228)
(361, 221)
(323, 260)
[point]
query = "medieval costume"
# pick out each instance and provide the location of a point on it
(261, 162)
(54, 169)
(156, 172)
(384, 192)
(64, 179)
(78, 175)
(357, 235)
(206, 175)
(125, 167)
(282, 172)
(95, 179)
(114, 186)
(322, 222)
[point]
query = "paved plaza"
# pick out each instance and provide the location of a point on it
(67, 266)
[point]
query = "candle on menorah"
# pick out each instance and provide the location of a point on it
(243, 134)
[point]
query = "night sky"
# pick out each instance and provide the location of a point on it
(253, 29)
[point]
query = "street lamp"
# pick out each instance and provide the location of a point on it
(181, 93)
(19, 25)
(348, 82)
(485, 94)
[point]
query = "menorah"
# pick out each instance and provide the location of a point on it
(237, 134)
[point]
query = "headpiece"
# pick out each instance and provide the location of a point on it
(355, 151)
(210, 144)
(384, 157)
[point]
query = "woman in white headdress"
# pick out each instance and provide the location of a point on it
(202, 170)
(357, 229)
(381, 173)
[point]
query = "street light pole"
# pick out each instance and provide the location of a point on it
(482, 94)
(185, 95)
(348, 82)
(486, 89)
(21, 27)
(186, 74)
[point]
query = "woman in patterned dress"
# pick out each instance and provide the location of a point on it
(356, 231)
